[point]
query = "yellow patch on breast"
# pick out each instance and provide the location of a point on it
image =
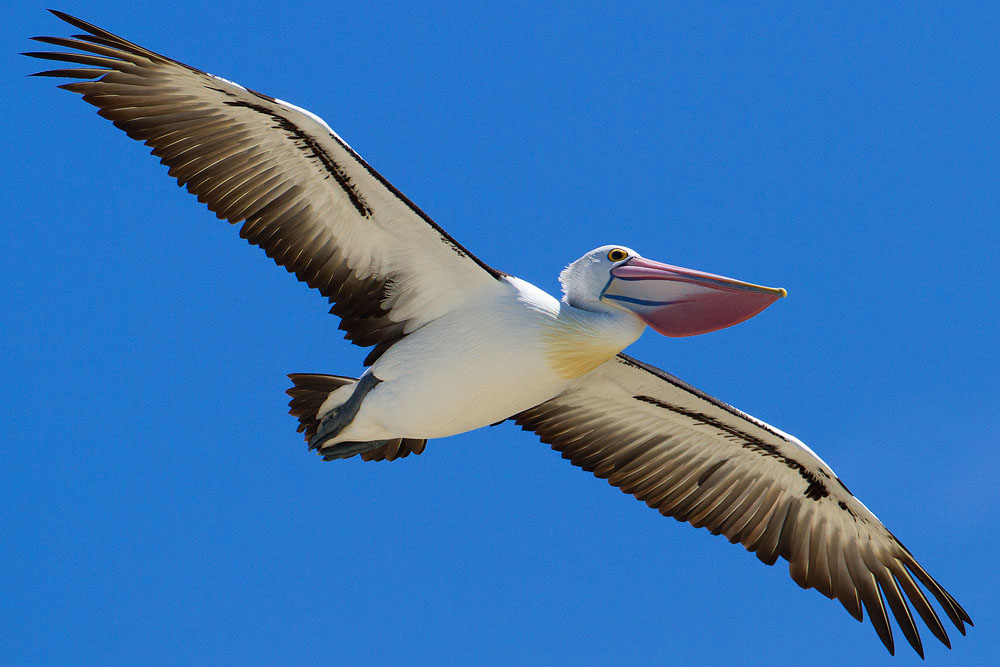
(572, 352)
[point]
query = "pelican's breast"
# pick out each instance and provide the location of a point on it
(577, 343)
(571, 355)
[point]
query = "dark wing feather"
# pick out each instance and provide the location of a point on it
(302, 194)
(699, 460)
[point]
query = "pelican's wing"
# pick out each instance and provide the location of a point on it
(694, 458)
(302, 194)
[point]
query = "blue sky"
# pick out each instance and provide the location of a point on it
(158, 504)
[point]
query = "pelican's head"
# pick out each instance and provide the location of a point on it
(672, 300)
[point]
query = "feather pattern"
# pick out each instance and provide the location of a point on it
(697, 459)
(301, 193)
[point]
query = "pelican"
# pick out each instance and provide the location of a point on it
(458, 345)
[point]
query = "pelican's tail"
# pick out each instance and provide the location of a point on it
(308, 394)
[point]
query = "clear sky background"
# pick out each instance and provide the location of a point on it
(157, 504)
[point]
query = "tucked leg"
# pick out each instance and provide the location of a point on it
(338, 418)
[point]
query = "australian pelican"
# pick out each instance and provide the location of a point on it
(458, 345)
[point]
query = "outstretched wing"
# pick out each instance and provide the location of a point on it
(302, 194)
(699, 460)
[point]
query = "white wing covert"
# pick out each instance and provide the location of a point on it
(302, 194)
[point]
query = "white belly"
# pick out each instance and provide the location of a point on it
(469, 369)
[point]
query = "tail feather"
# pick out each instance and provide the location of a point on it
(308, 394)
(395, 449)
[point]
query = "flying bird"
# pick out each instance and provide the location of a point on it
(458, 345)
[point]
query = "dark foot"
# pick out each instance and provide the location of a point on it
(338, 418)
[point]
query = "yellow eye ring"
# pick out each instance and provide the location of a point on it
(617, 255)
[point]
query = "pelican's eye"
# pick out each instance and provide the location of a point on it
(617, 255)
